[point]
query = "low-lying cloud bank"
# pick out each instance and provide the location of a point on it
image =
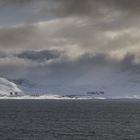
(51, 65)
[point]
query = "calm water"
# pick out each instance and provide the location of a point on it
(69, 120)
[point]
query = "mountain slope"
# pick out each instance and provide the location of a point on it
(6, 87)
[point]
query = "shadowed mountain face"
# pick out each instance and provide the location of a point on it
(29, 87)
(23, 82)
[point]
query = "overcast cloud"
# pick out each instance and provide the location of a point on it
(76, 41)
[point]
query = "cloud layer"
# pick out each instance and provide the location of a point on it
(75, 41)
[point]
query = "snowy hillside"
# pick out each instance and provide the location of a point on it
(6, 87)
(116, 87)
(29, 87)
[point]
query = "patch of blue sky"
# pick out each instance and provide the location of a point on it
(11, 16)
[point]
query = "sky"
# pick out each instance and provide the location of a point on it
(70, 42)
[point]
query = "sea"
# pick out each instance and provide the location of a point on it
(70, 119)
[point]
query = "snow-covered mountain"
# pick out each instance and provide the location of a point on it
(29, 87)
(117, 87)
(7, 86)
(114, 87)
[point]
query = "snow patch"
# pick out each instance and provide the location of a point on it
(6, 87)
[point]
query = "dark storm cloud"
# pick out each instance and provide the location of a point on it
(90, 62)
(129, 64)
(86, 62)
(40, 56)
(15, 2)
(99, 61)
(86, 7)
(77, 7)
(89, 67)
(32, 65)
(129, 5)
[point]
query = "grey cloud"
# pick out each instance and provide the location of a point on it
(64, 8)
(88, 67)
(3, 54)
(76, 7)
(68, 33)
(87, 61)
(129, 5)
(40, 56)
(92, 62)
(129, 64)
(11, 36)
(94, 36)
(90, 34)
(84, 7)
(64, 34)
(15, 2)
